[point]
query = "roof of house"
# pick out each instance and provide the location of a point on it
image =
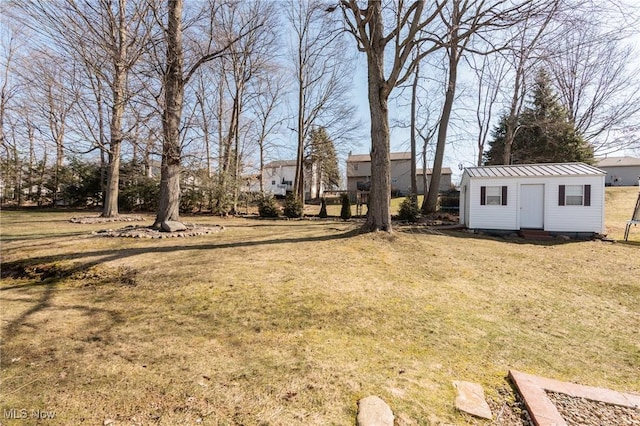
(361, 158)
(279, 163)
(534, 170)
(618, 161)
(445, 171)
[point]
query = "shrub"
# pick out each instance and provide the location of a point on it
(140, 194)
(409, 210)
(293, 207)
(267, 206)
(323, 208)
(345, 211)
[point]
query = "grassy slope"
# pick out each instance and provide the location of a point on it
(291, 322)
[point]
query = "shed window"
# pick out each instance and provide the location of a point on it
(574, 195)
(493, 195)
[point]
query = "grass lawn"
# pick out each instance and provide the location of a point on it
(291, 322)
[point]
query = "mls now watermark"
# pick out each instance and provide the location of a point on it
(24, 413)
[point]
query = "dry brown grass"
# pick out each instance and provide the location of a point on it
(291, 322)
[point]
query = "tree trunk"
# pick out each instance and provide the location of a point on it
(430, 203)
(298, 184)
(512, 119)
(110, 206)
(169, 202)
(414, 177)
(378, 212)
(509, 138)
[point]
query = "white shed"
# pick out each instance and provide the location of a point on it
(563, 198)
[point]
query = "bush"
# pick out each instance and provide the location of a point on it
(267, 206)
(139, 194)
(409, 210)
(345, 211)
(293, 207)
(323, 208)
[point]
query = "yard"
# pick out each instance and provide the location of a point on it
(292, 322)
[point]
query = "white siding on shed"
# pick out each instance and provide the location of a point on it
(557, 218)
(493, 217)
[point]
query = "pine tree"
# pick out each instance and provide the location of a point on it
(322, 151)
(345, 211)
(323, 208)
(544, 133)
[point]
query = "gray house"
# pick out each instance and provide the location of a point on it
(621, 171)
(359, 173)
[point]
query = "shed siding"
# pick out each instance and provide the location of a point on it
(556, 218)
(575, 218)
(492, 217)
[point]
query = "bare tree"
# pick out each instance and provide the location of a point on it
(321, 78)
(246, 60)
(592, 72)
(52, 89)
(466, 21)
(8, 88)
(268, 96)
(174, 80)
(523, 54)
(107, 38)
(366, 24)
(489, 73)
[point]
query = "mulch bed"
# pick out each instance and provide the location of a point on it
(133, 231)
(98, 219)
(583, 412)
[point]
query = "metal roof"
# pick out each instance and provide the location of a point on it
(618, 161)
(534, 170)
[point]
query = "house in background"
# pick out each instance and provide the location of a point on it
(278, 178)
(621, 171)
(359, 173)
(562, 198)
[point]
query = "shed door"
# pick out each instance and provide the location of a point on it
(532, 206)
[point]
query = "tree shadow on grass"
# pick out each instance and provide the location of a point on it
(506, 238)
(47, 272)
(45, 302)
(101, 256)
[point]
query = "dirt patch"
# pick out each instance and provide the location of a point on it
(133, 231)
(78, 276)
(41, 271)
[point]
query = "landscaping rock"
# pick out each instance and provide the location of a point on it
(173, 226)
(470, 399)
(373, 411)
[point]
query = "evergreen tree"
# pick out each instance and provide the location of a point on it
(322, 151)
(544, 134)
(293, 206)
(323, 208)
(345, 211)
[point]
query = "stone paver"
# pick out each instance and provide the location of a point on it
(373, 411)
(470, 399)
